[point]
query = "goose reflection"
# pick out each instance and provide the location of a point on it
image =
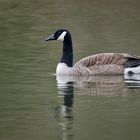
(89, 85)
(66, 90)
(93, 85)
(132, 81)
(66, 93)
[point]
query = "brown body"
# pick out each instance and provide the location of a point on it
(105, 63)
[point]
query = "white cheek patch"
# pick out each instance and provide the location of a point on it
(61, 37)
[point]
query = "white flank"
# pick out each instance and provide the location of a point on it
(61, 37)
(135, 70)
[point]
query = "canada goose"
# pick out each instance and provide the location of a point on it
(98, 64)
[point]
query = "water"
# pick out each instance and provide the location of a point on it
(34, 103)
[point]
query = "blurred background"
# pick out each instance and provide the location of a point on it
(32, 104)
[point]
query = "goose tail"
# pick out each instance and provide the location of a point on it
(132, 62)
(132, 66)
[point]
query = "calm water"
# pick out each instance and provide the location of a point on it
(34, 103)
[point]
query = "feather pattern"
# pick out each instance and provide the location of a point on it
(104, 63)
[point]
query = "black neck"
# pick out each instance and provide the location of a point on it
(67, 56)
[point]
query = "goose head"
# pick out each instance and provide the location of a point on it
(67, 53)
(60, 35)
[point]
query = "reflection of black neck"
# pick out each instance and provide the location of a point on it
(68, 96)
(67, 56)
(67, 91)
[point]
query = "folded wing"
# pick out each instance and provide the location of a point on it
(106, 63)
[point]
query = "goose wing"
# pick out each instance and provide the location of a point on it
(120, 59)
(106, 63)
